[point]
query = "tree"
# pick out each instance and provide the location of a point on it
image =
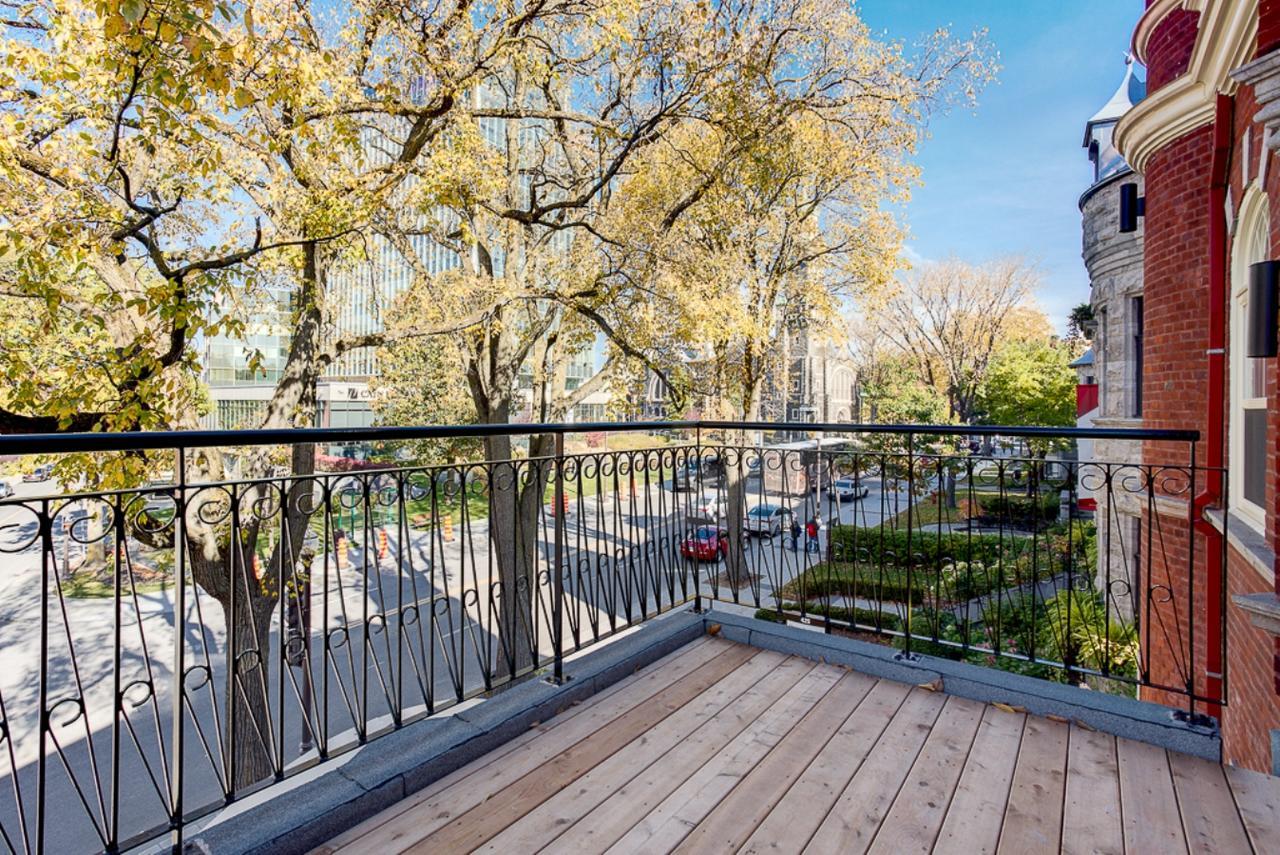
(949, 318)
(1030, 383)
(186, 153)
(1081, 323)
(781, 238)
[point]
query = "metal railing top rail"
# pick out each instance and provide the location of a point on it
(63, 443)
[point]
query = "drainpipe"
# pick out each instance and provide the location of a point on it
(1216, 403)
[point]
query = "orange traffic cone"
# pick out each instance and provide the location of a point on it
(382, 543)
(257, 571)
(447, 528)
(564, 504)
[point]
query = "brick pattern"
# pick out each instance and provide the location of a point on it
(1268, 25)
(1167, 630)
(1176, 276)
(1170, 46)
(1246, 107)
(1253, 706)
(1176, 273)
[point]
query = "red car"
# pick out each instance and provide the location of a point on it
(706, 544)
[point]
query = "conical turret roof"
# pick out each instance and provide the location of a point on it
(1130, 91)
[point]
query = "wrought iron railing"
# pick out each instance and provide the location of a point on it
(170, 647)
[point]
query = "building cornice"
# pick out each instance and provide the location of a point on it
(1225, 40)
(1093, 190)
(1151, 18)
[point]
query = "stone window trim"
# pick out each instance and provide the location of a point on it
(1250, 243)
(1248, 543)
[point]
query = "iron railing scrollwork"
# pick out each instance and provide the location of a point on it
(170, 647)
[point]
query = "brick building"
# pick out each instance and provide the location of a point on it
(1203, 141)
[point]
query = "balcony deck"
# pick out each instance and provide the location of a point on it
(726, 747)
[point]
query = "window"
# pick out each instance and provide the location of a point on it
(1100, 359)
(1135, 355)
(1248, 414)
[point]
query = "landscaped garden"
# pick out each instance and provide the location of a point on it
(944, 567)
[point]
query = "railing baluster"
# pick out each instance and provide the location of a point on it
(625, 549)
(557, 576)
(176, 798)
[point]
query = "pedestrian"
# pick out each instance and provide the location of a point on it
(795, 534)
(811, 535)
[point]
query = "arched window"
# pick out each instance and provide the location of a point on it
(1248, 390)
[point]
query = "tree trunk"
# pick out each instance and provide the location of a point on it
(515, 504)
(248, 727)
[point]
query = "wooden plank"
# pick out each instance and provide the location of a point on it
(471, 828)
(855, 817)
(681, 811)
(1091, 812)
(916, 815)
(977, 810)
(794, 819)
(1033, 818)
(542, 825)
(598, 830)
(733, 820)
(415, 817)
(1148, 804)
(1209, 814)
(1258, 797)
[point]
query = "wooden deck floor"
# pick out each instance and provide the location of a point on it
(722, 747)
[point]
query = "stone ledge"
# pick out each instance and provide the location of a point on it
(1263, 610)
(305, 811)
(1247, 541)
(1133, 719)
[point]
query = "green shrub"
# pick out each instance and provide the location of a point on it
(1019, 511)
(892, 546)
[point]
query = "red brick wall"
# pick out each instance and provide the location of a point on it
(1175, 284)
(1268, 25)
(1169, 48)
(1166, 629)
(1253, 707)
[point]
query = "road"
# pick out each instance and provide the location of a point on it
(392, 632)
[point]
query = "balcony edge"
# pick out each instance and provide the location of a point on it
(1133, 719)
(304, 812)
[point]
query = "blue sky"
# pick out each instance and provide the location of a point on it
(1006, 178)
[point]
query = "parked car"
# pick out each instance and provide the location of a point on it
(706, 543)
(40, 473)
(710, 508)
(697, 471)
(6, 489)
(849, 488)
(767, 519)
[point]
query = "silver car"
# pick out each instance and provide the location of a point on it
(767, 520)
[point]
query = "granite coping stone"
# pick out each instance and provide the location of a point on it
(305, 811)
(1121, 716)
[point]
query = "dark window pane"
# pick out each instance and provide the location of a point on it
(1255, 455)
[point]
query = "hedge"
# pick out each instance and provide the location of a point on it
(890, 546)
(955, 566)
(1024, 511)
